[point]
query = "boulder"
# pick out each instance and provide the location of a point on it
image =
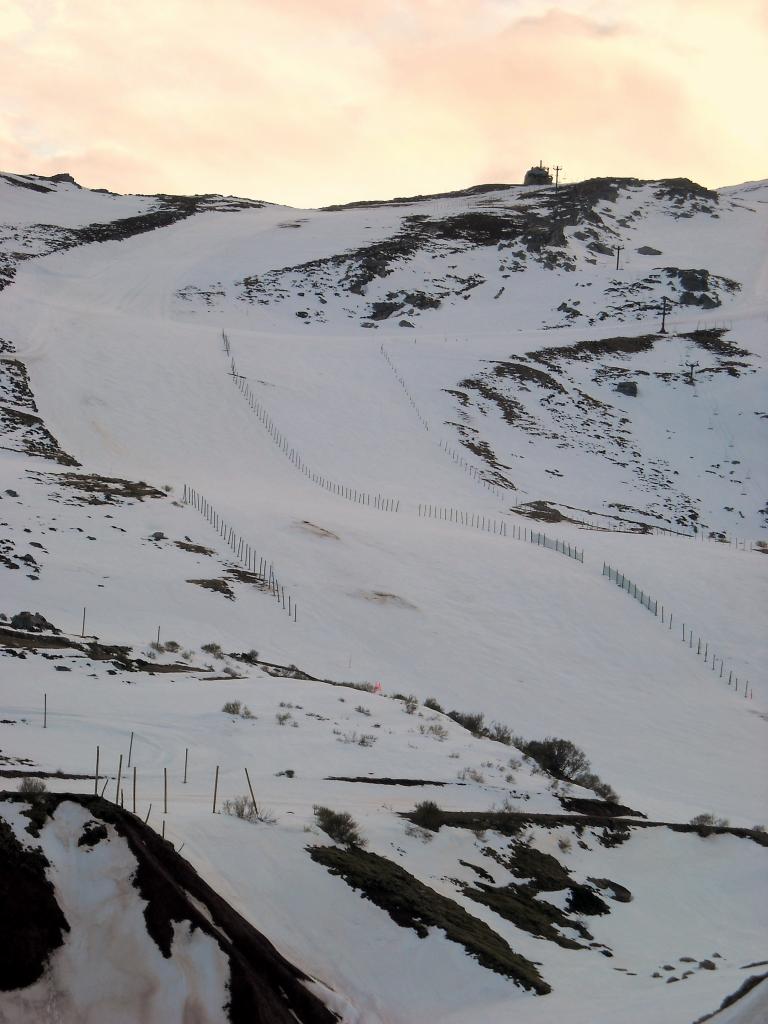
(33, 622)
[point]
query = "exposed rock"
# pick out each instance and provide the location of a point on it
(33, 622)
(627, 387)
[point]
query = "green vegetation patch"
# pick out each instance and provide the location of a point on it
(411, 904)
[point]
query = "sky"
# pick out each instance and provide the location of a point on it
(312, 102)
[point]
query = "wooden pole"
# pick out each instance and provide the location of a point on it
(148, 814)
(215, 788)
(96, 779)
(130, 750)
(119, 773)
(134, 789)
(250, 787)
(82, 631)
(186, 757)
(165, 790)
(45, 710)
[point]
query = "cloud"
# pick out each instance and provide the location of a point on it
(312, 103)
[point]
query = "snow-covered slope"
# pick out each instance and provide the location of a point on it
(383, 410)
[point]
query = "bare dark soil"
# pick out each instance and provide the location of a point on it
(217, 586)
(12, 640)
(27, 433)
(264, 987)
(91, 489)
(514, 822)
(32, 925)
(382, 781)
(195, 549)
(14, 384)
(586, 350)
(599, 808)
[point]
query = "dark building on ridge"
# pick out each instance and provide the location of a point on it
(538, 176)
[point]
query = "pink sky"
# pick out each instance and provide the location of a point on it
(310, 102)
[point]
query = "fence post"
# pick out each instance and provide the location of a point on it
(215, 788)
(119, 773)
(250, 787)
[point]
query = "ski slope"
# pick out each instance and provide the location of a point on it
(133, 381)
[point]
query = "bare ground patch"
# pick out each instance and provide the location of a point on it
(217, 586)
(317, 531)
(383, 597)
(24, 432)
(92, 489)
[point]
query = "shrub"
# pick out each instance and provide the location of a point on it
(246, 712)
(283, 717)
(564, 844)
(591, 781)
(32, 787)
(243, 807)
(705, 823)
(411, 703)
(500, 733)
(339, 825)
(158, 648)
(232, 707)
(559, 757)
(171, 646)
(433, 705)
(427, 814)
(435, 729)
(472, 774)
(472, 721)
(213, 649)
(361, 739)
(363, 710)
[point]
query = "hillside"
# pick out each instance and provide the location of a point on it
(395, 446)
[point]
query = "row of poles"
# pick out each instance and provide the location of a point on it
(127, 777)
(379, 501)
(264, 571)
(702, 647)
(472, 519)
(555, 544)
(499, 528)
(451, 452)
